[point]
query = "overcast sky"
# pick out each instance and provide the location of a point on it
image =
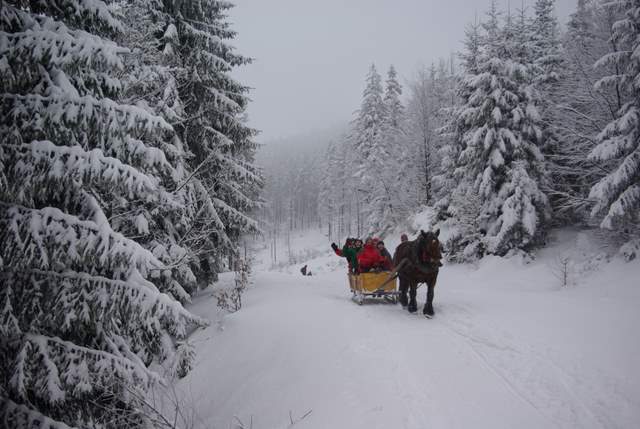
(311, 56)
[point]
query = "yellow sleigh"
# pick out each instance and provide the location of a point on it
(377, 284)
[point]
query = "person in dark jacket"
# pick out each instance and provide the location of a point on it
(357, 244)
(388, 260)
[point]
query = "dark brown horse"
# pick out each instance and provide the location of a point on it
(422, 258)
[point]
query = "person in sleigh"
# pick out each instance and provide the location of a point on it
(349, 251)
(370, 259)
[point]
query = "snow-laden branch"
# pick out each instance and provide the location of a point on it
(45, 238)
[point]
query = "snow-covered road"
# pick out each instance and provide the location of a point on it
(502, 352)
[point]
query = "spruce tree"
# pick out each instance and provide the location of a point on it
(370, 153)
(545, 43)
(151, 84)
(394, 117)
(500, 132)
(81, 315)
(368, 125)
(194, 38)
(617, 195)
(578, 112)
(394, 160)
(453, 128)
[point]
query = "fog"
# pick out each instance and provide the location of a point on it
(311, 57)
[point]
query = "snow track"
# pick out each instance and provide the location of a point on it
(485, 361)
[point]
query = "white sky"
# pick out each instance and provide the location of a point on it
(311, 57)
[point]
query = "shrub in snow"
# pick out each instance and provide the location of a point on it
(230, 299)
(562, 268)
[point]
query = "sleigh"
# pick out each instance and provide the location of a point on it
(373, 285)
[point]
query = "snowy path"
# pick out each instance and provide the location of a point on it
(495, 356)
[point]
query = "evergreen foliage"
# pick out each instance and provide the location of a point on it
(617, 194)
(500, 132)
(538, 129)
(205, 105)
(125, 163)
(580, 111)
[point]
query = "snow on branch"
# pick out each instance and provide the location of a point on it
(20, 416)
(208, 207)
(48, 238)
(48, 368)
(238, 217)
(74, 299)
(239, 168)
(41, 162)
(37, 111)
(53, 43)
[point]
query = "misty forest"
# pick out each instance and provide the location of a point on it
(163, 265)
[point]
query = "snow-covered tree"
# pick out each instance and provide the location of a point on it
(392, 190)
(368, 125)
(417, 159)
(430, 124)
(580, 110)
(617, 194)
(500, 132)
(194, 38)
(371, 153)
(150, 84)
(336, 197)
(545, 42)
(453, 130)
(394, 118)
(81, 313)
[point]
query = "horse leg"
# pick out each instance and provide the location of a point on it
(403, 291)
(428, 306)
(413, 290)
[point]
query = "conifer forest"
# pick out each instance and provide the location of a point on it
(153, 233)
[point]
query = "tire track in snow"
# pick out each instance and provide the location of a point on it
(414, 398)
(537, 380)
(381, 367)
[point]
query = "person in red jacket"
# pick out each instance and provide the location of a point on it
(369, 258)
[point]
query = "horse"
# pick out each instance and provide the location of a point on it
(421, 264)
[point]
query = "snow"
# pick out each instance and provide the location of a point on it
(509, 346)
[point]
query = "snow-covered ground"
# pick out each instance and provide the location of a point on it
(509, 347)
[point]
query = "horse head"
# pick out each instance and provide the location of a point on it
(429, 247)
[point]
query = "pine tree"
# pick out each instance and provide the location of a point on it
(333, 190)
(394, 205)
(195, 42)
(81, 316)
(150, 83)
(418, 157)
(500, 133)
(371, 153)
(617, 195)
(453, 128)
(394, 117)
(369, 123)
(545, 43)
(581, 111)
